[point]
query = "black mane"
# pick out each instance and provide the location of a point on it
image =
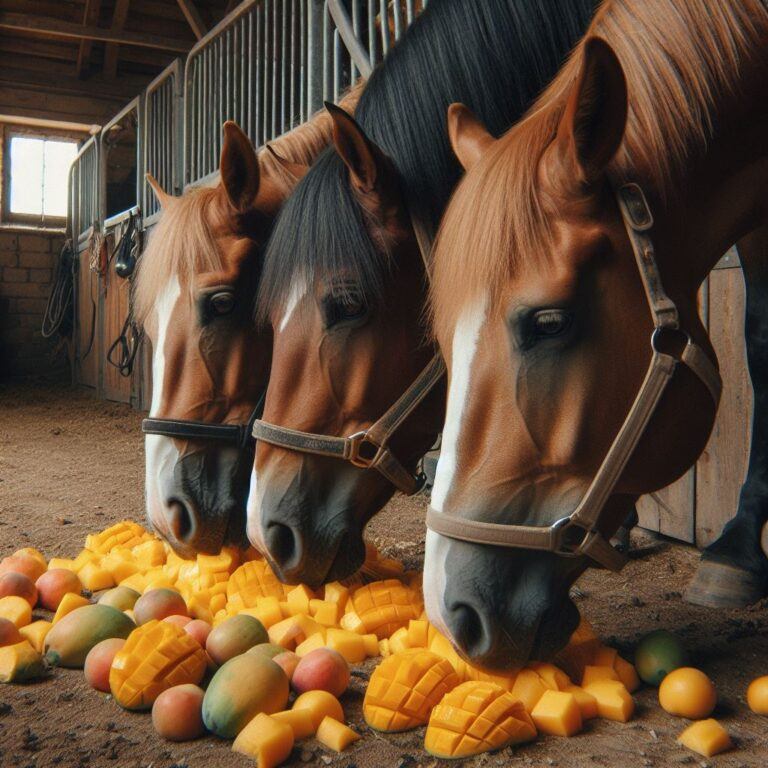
(495, 56)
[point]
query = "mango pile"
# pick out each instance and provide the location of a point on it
(218, 644)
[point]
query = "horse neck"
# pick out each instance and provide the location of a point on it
(722, 193)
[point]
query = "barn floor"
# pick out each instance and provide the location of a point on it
(70, 465)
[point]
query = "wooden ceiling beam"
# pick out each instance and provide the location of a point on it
(192, 15)
(112, 50)
(25, 22)
(90, 19)
(97, 87)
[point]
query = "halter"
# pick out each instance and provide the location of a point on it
(368, 448)
(578, 534)
(238, 435)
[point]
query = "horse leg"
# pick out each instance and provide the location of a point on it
(733, 570)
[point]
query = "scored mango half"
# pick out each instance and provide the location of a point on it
(156, 656)
(475, 717)
(405, 687)
(250, 582)
(381, 608)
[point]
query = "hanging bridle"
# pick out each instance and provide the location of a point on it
(578, 533)
(369, 448)
(238, 435)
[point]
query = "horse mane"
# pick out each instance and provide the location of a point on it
(182, 243)
(679, 58)
(494, 55)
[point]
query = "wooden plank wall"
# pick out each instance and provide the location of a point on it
(87, 368)
(696, 507)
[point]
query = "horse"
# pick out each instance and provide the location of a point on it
(564, 299)
(356, 393)
(194, 295)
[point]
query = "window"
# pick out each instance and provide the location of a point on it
(37, 172)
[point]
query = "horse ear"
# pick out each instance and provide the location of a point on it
(468, 136)
(359, 154)
(592, 127)
(162, 196)
(297, 171)
(239, 168)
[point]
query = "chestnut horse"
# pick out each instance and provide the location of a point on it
(544, 320)
(344, 284)
(194, 293)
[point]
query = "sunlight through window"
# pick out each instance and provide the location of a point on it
(39, 170)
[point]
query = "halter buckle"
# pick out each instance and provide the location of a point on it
(362, 450)
(574, 547)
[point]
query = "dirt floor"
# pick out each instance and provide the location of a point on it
(70, 465)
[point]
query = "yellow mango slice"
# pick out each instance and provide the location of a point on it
(594, 673)
(266, 740)
(557, 714)
(61, 562)
(528, 688)
(35, 633)
(19, 663)
(126, 533)
(476, 717)
(94, 578)
(399, 641)
(312, 643)
(68, 603)
(627, 674)
(251, 581)
(349, 644)
(614, 701)
(298, 599)
(335, 592)
(551, 676)
(384, 606)
(267, 611)
(300, 721)
(586, 701)
(707, 737)
(137, 582)
(319, 704)
(16, 609)
(335, 735)
(326, 613)
(371, 643)
(405, 687)
(418, 633)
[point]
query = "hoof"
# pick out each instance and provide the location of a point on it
(718, 585)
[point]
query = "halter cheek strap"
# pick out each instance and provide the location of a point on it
(578, 534)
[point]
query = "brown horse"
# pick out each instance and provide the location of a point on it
(543, 318)
(194, 294)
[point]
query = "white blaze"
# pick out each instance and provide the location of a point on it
(161, 454)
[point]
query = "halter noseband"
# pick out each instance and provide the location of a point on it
(238, 435)
(578, 533)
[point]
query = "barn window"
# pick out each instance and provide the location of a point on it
(37, 171)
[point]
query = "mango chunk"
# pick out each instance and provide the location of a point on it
(614, 701)
(266, 740)
(553, 677)
(35, 633)
(312, 643)
(557, 714)
(399, 641)
(594, 673)
(319, 704)
(528, 688)
(16, 609)
(335, 735)
(298, 599)
(325, 613)
(586, 701)
(707, 737)
(627, 674)
(94, 578)
(476, 717)
(335, 592)
(349, 644)
(300, 721)
(418, 633)
(61, 562)
(68, 603)
(19, 663)
(371, 643)
(405, 687)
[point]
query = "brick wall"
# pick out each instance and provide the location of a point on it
(27, 260)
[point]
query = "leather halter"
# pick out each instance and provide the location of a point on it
(238, 435)
(578, 534)
(368, 448)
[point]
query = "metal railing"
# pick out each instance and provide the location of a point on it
(85, 209)
(162, 138)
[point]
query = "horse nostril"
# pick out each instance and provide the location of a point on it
(469, 630)
(284, 544)
(180, 521)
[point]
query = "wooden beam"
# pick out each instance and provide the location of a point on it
(193, 18)
(90, 19)
(21, 102)
(98, 87)
(25, 22)
(40, 122)
(112, 50)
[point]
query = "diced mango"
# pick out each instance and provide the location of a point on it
(594, 673)
(300, 721)
(353, 623)
(94, 578)
(349, 644)
(371, 643)
(586, 701)
(16, 609)
(298, 599)
(627, 674)
(68, 603)
(266, 740)
(614, 701)
(335, 592)
(418, 632)
(399, 641)
(528, 688)
(707, 737)
(35, 633)
(551, 676)
(287, 633)
(319, 704)
(312, 643)
(61, 562)
(326, 613)
(20, 662)
(335, 735)
(384, 648)
(557, 714)
(137, 582)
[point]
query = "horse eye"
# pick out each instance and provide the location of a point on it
(548, 323)
(339, 309)
(222, 303)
